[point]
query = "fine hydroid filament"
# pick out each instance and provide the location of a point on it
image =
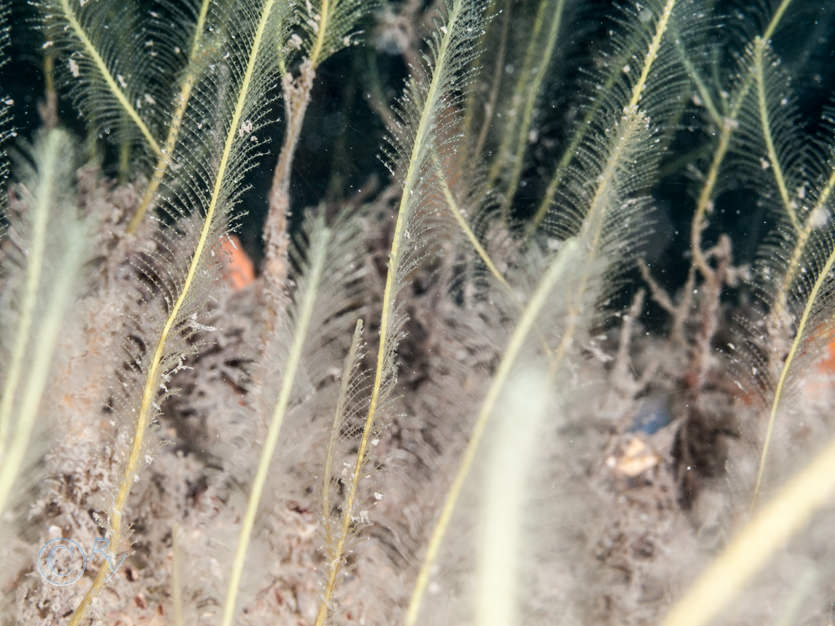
(328, 27)
(346, 387)
(461, 220)
(806, 238)
(641, 92)
(318, 254)
(705, 200)
(530, 83)
(330, 24)
(599, 232)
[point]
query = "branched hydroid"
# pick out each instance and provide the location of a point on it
(455, 208)
(793, 273)
(774, 524)
(197, 56)
(603, 221)
(240, 116)
(654, 86)
(794, 265)
(423, 114)
(315, 324)
(590, 250)
(330, 25)
(730, 123)
(605, 215)
(352, 386)
(101, 65)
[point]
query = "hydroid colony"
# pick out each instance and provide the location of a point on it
(392, 424)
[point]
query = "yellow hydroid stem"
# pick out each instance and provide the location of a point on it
(652, 54)
(699, 84)
(523, 133)
(37, 380)
(704, 203)
(164, 160)
(495, 84)
(305, 314)
(321, 32)
(518, 90)
(593, 227)
(771, 527)
(151, 387)
(344, 386)
(461, 219)
(780, 300)
(510, 466)
(762, 105)
(781, 382)
(465, 227)
(567, 253)
(637, 91)
(590, 235)
(433, 96)
(117, 92)
(592, 230)
(567, 156)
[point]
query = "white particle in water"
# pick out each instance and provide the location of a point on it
(819, 217)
